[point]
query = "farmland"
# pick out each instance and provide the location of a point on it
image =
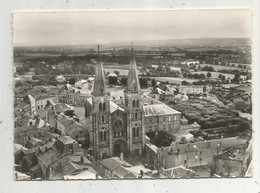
(216, 74)
(219, 67)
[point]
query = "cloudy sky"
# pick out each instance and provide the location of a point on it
(79, 28)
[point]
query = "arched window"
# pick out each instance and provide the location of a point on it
(101, 135)
(137, 103)
(133, 103)
(100, 106)
(105, 135)
(103, 119)
(134, 132)
(137, 132)
(104, 106)
(136, 115)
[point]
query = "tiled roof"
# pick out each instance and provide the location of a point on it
(18, 147)
(148, 100)
(179, 172)
(236, 153)
(49, 156)
(159, 109)
(34, 141)
(157, 91)
(22, 105)
(121, 172)
(25, 128)
(66, 139)
(113, 163)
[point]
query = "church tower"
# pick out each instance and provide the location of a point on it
(134, 110)
(100, 115)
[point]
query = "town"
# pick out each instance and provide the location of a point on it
(167, 110)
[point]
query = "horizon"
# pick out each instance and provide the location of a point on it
(137, 43)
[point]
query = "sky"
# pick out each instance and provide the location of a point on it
(104, 27)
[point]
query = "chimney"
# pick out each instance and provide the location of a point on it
(122, 156)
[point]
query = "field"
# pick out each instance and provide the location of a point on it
(218, 67)
(216, 74)
(173, 80)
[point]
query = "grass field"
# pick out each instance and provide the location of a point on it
(218, 67)
(173, 80)
(216, 74)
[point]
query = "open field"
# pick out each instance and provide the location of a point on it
(173, 80)
(216, 74)
(219, 67)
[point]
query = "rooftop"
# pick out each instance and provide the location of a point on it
(113, 163)
(159, 109)
(236, 153)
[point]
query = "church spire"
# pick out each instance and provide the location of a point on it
(133, 84)
(99, 83)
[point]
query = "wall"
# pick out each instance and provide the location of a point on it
(162, 122)
(193, 154)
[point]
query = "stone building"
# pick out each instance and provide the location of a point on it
(119, 123)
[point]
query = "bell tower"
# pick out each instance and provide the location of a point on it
(134, 109)
(101, 131)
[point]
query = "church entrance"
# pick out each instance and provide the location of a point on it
(119, 147)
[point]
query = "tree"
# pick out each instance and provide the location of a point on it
(204, 88)
(220, 76)
(18, 84)
(223, 78)
(143, 82)
(112, 80)
(92, 70)
(244, 125)
(240, 104)
(208, 74)
(72, 80)
(184, 82)
(117, 72)
(236, 78)
(25, 164)
(123, 81)
(153, 83)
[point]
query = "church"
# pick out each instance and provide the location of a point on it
(120, 127)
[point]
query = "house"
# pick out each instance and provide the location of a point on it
(70, 127)
(233, 162)
(157, 93)
(60, 79)
(179, 172)
(21, 176)
(34, 142)
(115, 167)
(191, 89)
(22, 135)
(190, 61)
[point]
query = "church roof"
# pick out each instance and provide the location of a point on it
(159, 109)
(114, 107)
(99, 83)
(133, 84)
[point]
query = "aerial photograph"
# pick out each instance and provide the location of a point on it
(109, 95)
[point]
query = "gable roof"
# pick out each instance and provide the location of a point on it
(159, 109)
(114, 107)
(113, 163)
